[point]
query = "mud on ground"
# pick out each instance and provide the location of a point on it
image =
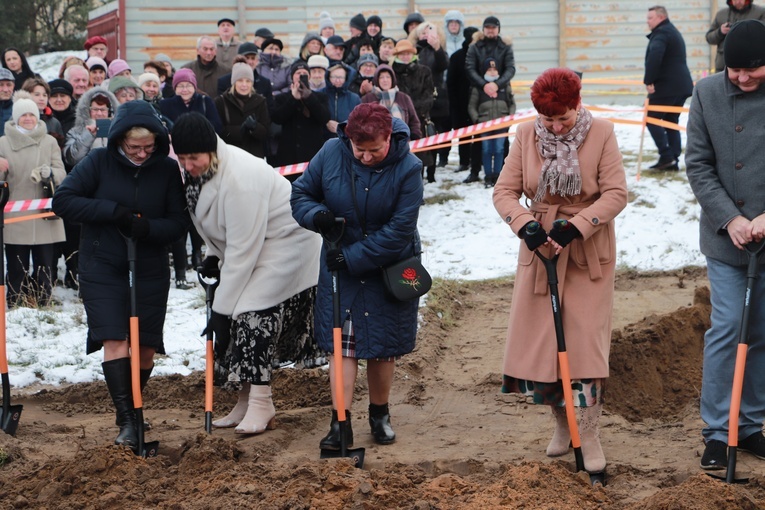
(461, 443)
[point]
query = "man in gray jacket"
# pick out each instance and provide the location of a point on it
(726, 169)
(736, 10)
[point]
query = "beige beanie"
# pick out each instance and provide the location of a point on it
(241, 70)
(148, 77)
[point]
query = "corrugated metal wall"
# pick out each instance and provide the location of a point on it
(602, 39)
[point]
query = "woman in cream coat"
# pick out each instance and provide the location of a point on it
(569, 166)
(269, 265)
(32, 156)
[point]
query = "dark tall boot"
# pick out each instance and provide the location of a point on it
(379, 421)
(117, 376)
(332, 440)
(431, 173)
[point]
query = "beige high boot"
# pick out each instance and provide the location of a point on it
(561, 440)
(260, 411)
(236, 415)
(594, 459)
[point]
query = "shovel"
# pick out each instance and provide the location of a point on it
(565, 374)
(142, 448)
(356, 454)
(9, 419)
(209, 359)
(753, 251)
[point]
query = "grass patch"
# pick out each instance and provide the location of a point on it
(442, 198)
(446, 299)
(4, 457)
(646, 204)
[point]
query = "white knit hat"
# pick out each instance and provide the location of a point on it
(148, 77)
(241, 70)
(22, 106)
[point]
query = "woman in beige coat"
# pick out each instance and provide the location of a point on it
(33, 158)
(568, 166)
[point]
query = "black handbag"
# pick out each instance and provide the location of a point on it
(430, 127)
(404, 280)
(407, 279)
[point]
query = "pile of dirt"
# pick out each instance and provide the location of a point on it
(460, 443)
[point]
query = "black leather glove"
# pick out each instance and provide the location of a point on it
(336, 260)
(123, 217)
(209, 267)
(220, 326)
(533, 235)
(324, 221)
(139, 227)
(250, 123)
(563, 232)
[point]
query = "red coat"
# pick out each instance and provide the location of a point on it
(585, 268)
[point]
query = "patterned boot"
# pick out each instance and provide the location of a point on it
(594, 458)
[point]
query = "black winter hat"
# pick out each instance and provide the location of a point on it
(193, 133)
(248, 48)
(745, 45)
(299, 64)
(491, 21)
(489, 63)
(226, 20)
(358, 22)
(268, 42)
(264, 33)
(59, 86)
(415, 16)
(374, 19)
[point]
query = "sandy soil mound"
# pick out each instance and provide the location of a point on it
(461, 444)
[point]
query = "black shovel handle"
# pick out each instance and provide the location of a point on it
(209, 296)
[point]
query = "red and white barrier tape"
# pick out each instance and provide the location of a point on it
(36, 204)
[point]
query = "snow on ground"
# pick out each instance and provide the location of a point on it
(463, 237)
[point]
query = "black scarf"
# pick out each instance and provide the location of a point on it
(194, 187)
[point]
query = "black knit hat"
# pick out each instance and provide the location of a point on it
(193, 133)
(299, 64)
(411, 18)
(745, 45)
(358, 22)
(491, 21)
(268, 42)
(374, 19)
(59, 86)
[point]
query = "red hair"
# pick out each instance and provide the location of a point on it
(368, 122)
(556, 91)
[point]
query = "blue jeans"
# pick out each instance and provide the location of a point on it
(728, 284)
(492, 149)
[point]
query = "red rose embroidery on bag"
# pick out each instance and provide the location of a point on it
(410, 278)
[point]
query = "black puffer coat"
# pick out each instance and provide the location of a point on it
(438, 62)
(233, 110)
(90, 195)
(417, 81)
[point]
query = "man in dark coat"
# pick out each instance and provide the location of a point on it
(458, 88)
(736, 10)
(490, 44)
(303, 114)
(261, 85)
(7, 83)
(727, 173)
(668, 82)
(206, 67)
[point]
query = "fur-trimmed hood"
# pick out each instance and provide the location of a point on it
(82, 113)
(479, 36)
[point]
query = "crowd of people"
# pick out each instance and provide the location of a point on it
(158, 155)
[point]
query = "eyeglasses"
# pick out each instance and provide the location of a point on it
(99, 110)
(337, 78)
(185, 86)
(136, 149)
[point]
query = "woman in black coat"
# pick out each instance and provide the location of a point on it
(15, 61)
(187, 99)
(244, 112)
(130, 188)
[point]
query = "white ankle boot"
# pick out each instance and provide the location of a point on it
(237, 413)
(561, 440)
(594, 458)
(260, 411)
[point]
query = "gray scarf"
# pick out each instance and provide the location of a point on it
(560, 171)
(194, 187)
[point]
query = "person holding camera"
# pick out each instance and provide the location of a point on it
(303, 114)
(244, 112)
(736, 10)
(34, 163)
(95, 108)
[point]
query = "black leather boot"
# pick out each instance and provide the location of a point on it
(117, 376)
(145, 375)
(332, 440)
(379, 421)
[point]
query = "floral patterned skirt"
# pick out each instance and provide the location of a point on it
(586, 392)
(264, 339)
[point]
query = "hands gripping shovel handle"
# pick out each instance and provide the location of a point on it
(9, 419)
(565, 374)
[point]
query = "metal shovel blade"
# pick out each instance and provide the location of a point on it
(355, 454)
(9, 421)
(149, 449)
